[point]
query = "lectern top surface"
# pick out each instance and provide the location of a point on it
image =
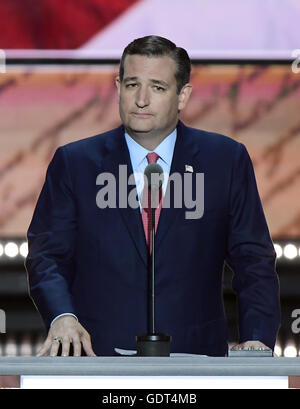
(160, 366)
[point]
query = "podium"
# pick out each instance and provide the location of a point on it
(151, 372)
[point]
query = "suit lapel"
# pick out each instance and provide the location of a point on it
(184, 152)
(118, 154)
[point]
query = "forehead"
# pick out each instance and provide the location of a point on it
(144, 67)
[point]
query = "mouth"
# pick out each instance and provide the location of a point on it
(141, 115)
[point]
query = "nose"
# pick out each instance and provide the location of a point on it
(142, 97)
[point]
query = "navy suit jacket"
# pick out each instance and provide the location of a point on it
(93, 262)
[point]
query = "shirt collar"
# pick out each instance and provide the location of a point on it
(138, 153)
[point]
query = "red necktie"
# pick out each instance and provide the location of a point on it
(146, 207)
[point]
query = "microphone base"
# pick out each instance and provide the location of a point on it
(153, 344)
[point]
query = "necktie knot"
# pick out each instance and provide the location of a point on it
(152, 157)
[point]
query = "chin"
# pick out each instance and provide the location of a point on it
(140, 130)
(139, 127)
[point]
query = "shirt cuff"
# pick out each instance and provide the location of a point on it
(61, 315)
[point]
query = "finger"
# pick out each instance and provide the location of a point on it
(250, 346)
(236, 347)
(262, 346)
(256, 345)
(54, 348)
(45, 347)
(76, 346)
(87, 345)
(240, 347)
(65, 347)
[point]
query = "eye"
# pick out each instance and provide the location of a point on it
(159, 88)
(131, 85)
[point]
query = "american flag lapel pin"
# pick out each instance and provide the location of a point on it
(189, 168)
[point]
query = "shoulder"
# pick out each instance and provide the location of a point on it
(93, 143)
(90, 149)
(211, 138)
(211, 142)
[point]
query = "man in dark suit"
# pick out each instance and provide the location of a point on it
(87, 261)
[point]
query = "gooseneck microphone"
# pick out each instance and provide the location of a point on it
(152, 343)
(154, 176)
(153, 180)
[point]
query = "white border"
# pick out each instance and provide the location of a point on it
(154, 382)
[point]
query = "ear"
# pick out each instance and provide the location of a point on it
(184, 96)
(118, 85)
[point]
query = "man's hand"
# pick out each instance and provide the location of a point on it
(66, 330)
(250, 345)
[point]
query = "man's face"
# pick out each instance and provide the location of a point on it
(148, 99)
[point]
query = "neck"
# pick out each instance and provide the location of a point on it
(149, 140)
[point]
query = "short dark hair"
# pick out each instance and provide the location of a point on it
(155, 46)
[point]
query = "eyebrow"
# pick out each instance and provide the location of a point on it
(154, 81)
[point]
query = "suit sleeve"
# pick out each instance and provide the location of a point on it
(251, 255)
(51, 242)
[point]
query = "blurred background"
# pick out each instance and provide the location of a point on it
(57, 69)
